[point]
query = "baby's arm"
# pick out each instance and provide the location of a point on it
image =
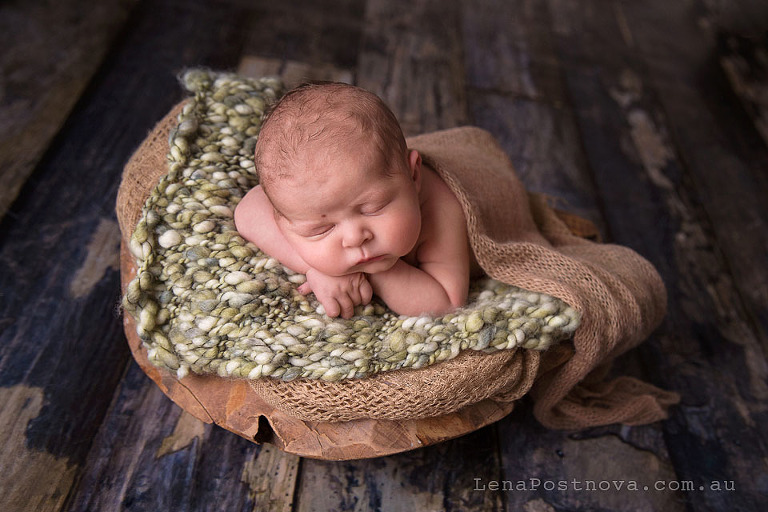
(255, 221)
(436, 288)
(439, 282)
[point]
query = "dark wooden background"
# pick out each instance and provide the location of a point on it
(648, 117)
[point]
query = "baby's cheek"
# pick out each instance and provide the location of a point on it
(307, 253)
(323, 258)
(407, 232)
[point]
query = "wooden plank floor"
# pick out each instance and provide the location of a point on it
(650, 118)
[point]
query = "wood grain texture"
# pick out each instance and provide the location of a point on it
(272, 477)
(438, 477)
(682, 67)
(411, 56)
(708, 349)
(25, 470)
(745, 64)
(291, 72)
(315, 33)
(523, 105)
(50, 53)
(508, 51)
(61, 332)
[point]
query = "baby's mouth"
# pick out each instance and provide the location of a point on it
(370, 260)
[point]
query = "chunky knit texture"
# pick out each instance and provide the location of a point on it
(207, 301)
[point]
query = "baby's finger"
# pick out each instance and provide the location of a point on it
(305, 289)
(331, 307)
(366, 292)
(354, 296)
(347, 307)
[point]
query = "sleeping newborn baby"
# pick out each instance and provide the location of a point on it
(344, 201)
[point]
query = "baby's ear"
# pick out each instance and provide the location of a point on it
(414, 166)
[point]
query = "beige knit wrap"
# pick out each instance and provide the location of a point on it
(518, 240)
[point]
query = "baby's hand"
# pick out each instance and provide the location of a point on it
(338, 295)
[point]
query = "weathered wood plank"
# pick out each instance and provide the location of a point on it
(313, 32)
(272, 477)
(728, 169)
(542, 143)
(44, 350)
(61, 335)
(511, 65)
(708, 349)
(744, 17)
(745, 63)
(514, 56)
(303, 41)
(26, 471)
(611, 468)
(142, 454)
(411, 57)
(438, 477)
(50, 53)
(151, 455)
(550, 470)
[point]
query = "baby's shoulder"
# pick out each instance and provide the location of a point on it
(436, 192)
(251, 208)
(443, 228)
(441, 208)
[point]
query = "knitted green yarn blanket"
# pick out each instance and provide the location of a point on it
(207, 301)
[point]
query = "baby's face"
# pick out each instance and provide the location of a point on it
(351, 217)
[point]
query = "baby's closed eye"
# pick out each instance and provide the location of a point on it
(317, 232)
(374, 208)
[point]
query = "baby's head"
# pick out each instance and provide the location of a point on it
(316, 120)
(333, 161)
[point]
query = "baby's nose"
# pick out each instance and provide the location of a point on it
(356, 235)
